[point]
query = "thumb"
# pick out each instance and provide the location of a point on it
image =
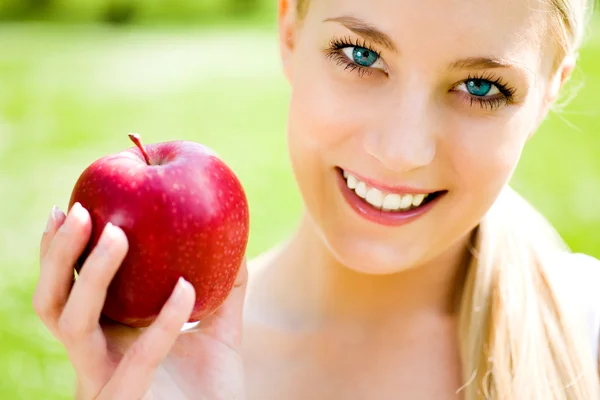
(225, 324)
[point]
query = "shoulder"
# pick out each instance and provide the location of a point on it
(262, 261)
(258, 288)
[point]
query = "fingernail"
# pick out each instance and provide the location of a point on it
(180, 289)
(75, 214)
(106, 236)
(52, 218)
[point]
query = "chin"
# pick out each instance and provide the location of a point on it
(368, 255)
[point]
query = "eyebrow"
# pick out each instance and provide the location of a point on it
(365, 30)
(482, 63)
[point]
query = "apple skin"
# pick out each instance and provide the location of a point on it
(184, 215)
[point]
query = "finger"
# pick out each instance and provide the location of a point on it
(81, 314)
(226, 323)
(56, 274)
(135, 372)
(55, 220)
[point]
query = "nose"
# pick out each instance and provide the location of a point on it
(405, 139)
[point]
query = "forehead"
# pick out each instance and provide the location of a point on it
(511, 29)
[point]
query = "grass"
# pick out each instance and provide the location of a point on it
(70, 95)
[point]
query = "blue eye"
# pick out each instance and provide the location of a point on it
(361, 56)
(481, 87)
(364, 57)
(489, 92)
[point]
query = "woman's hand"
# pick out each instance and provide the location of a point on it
(112, 361)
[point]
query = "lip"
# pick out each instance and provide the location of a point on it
(367, 211)
(387, 188)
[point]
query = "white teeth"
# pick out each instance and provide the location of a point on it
(361, 190)
(392, 202)
(380, 200)
(418, 199)
(351, 182)
(375, 198)
(406, 202)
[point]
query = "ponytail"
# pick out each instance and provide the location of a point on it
(519, 339)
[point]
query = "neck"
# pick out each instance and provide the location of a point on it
(310, 287)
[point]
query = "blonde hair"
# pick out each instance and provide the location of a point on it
(519, 338)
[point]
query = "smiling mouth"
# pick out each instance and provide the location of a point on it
(385, 200)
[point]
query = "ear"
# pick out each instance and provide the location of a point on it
(557, 82)
(287, 34)
(561, 76)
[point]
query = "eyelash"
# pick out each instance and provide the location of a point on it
(334, 52)
(506, 96)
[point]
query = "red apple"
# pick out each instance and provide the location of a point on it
(184, 212)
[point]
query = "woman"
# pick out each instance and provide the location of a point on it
(415, 272)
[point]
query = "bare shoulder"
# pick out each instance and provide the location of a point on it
(257, 289)
(265, 258)
(260, 261)
(258, 264)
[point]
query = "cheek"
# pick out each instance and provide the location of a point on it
(485, 154)
(486, 151)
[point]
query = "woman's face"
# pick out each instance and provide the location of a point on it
(408, 118)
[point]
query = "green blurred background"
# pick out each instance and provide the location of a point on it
(77, 75)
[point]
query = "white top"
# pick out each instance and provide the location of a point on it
(581, 275)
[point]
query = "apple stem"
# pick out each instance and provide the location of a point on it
(135, 138)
